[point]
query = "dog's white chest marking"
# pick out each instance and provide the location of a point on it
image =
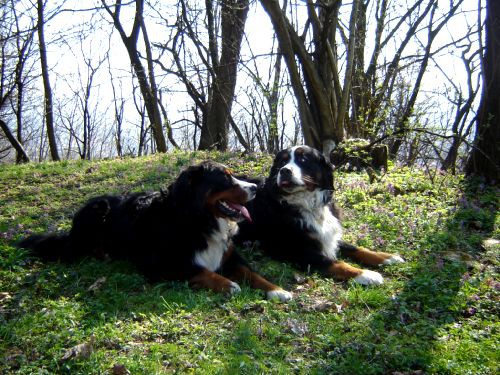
(217, 245)
(328, 232)
(325, 227)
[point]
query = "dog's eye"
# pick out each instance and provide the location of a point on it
(302, 158)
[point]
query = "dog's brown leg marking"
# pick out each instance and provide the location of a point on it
(342, 271)
(211, 280)
(368, 257)
(244, 274)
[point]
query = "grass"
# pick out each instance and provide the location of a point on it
(436, 313)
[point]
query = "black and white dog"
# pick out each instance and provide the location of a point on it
(295, 220)
(183, 233)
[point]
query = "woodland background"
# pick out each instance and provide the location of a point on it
(100, 79)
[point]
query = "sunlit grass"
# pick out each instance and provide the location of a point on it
(438, 312)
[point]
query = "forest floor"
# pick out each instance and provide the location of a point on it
(436, 313)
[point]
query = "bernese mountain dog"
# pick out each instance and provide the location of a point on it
(295, 220)
(181, 233)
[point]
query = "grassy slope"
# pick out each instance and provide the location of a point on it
(438, 312)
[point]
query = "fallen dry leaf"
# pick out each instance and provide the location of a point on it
(297, 327)
(97, 284)
(319, 304)
(80, 351)
(119, 369)
(459, 256)
(4, 296)
(491, 244)
(299, 279)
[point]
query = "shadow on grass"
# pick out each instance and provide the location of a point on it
(46, 309)
(57, 306)
(405, 335)
(54, 309)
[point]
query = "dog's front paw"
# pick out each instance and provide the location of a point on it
(234, 288)
(393, 259)
(279, 295)
(368, 277)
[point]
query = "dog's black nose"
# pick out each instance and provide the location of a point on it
(253, 188)
(286, 173)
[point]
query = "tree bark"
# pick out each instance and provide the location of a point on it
(463, 108)
(484, 159)
(351, 52)
(23, 52)
(316, 111)
(360, 90)
(273, 145)
(49, 114)
(402, 126)
(214, 135)
(147, 87)
(22, 155)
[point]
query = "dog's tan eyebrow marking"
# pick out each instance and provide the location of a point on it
(299, 151)
(228, 171)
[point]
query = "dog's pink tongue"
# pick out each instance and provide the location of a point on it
(242, 209)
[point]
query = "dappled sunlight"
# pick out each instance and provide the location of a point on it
(435, 313)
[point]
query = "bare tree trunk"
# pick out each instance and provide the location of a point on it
(458, 125)
(119, 107)
(360, 90)
(463, 108)
(49, 114)
(449, 163)
(88, 128)
(154, 88)
(484, 159)
(118, 133)
(215, 133)
(23, 50)
(170, 134)
(23, 156)
(351, 52)
(142, 128)
(147, 87)
(403, 123)
(320, 103)
(20, 158)
(272, 99)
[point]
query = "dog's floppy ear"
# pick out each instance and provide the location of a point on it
(183, 190)
(193, 175)
(327, 174)
(330, 167)
(273, 173)
(326, 161)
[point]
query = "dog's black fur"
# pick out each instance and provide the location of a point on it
(162, 233)
(295, 220)
(278, 225)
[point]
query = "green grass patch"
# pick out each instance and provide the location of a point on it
(436, 313)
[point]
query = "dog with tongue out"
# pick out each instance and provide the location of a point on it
(181, 233)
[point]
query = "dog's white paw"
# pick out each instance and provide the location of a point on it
(279, 295)
(234, 288)
(368, 277)
(395, 258)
